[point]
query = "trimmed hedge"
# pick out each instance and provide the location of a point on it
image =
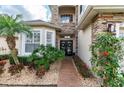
(22, 59)
(4, 57)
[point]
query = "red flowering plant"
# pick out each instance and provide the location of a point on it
(107, 53)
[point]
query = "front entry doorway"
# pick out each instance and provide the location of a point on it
(67, 47)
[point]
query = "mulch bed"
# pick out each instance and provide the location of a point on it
(82, 67)
(28, 77)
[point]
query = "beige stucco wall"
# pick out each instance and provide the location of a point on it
(84, 42)
(3, 44)
(19, 41)
(43, 31)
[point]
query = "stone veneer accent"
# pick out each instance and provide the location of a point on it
(101, 20)
(55, 20)
(76, 32)
(67, 28)
(55, 14)
(100, 24)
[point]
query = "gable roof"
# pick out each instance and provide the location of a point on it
(42, 23)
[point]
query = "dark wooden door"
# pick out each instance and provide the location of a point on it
(67, 47)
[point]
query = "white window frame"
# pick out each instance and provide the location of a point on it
(43, 40)
(73, 17)
(24, 39)
(117, 28)
(53, 37)
(118, 25)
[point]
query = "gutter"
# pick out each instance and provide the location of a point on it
(43, 24)
(83, 17)
(93, 10)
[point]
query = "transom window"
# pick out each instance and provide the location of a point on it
(32, 42)
(67, 18)
(67, 37)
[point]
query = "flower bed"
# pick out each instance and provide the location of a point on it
(40, 60)
(87, 79)
(82, 67)
(28, 78)
(38, 68)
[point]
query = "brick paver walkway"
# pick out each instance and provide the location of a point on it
(68, 76)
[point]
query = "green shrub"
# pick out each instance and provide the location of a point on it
(4, 57)
(22, 59)
(45, 55)
(107, 52)
(11, 60)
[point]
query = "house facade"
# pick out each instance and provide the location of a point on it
(80, 23)
(72, 28)
(69, 18)
(42, 33)
(97, 18)
(65, 16)
(60, 32)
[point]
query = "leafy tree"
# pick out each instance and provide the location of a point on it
(9, 27)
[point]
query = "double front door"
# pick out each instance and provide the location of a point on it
(67, 47)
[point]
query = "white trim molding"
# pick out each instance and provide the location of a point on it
(53, 37)
(43, 39)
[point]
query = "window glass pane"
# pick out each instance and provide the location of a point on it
(49, 38)
(36, 37)
(29, 39)
(32, 42)
(66, 18)
(30, 47)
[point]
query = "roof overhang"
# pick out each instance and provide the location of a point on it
(42, 23)
(92, 10)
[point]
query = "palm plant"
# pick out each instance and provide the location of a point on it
(9, 27)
